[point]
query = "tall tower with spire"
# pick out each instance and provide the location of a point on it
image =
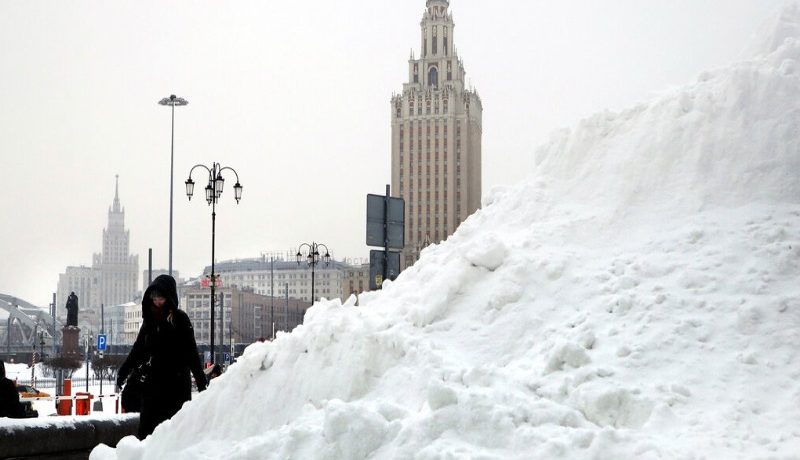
(436, 137)
(112, 278)
(117, 269)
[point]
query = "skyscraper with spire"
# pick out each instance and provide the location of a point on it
(119, 271)
(112, 278)
(436, 138)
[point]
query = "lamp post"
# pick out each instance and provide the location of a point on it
(312, 258)
(213, 193)
(41, 346)
(88, 341)
(172, 101)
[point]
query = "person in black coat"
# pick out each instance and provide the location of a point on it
(9, 397)
(167, 352)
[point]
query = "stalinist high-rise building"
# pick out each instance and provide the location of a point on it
(436, 138)
(112, 278)
(118, 270)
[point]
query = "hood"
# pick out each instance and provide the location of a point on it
(166, 285)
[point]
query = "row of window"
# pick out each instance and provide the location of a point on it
(279, 276)
(427, 129)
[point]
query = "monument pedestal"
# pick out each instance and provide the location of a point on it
(71, 344)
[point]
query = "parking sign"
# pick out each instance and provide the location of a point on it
(101, 342)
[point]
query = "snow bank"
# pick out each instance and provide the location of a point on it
(637, 298)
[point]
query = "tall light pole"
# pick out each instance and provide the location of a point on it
(172, 101)
(88, 340)
(312, 258)
(213, 193)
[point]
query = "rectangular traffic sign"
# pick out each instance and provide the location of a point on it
(101, 342)
(376, 263)
(393, 217)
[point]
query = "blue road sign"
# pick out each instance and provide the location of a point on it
(226, 357)
(101, 342)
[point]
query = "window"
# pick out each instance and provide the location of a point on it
(433, 77)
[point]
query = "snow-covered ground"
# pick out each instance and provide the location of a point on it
(22, 374)
(637, 298)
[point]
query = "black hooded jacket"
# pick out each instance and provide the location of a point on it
(170, 347)
(9, 397)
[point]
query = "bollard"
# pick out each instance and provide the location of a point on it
(82, 405)
(64, 407)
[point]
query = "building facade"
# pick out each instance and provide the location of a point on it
(148, 277)
(281, 278)
(114, 317)
(355, 280)
(112, 278)
(242, 316)
(132, 322)
(83, 281)
(118, 269)
(436, 138)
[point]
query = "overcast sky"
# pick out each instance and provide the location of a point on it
(295, 97)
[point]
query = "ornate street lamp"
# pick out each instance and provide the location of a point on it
(312, 258)
(172, 101)
(213, 192)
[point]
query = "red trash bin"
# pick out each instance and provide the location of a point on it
(64, 407)
(83, 405)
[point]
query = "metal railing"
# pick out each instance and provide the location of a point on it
(50, 383)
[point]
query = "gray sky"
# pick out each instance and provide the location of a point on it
(294, 96)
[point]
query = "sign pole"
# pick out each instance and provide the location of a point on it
(385, 235)
(87, 363)
(385, 229)
(54, 325)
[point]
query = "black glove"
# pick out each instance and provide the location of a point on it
(201, 383)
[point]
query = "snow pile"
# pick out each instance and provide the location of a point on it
(637, 299)
(728, 139)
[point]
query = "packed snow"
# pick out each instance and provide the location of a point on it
(638, 297)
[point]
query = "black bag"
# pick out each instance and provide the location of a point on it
(135, 387)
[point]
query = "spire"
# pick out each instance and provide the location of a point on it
(430, 3)
(116, 194)
(437, 8)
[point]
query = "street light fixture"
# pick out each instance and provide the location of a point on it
(213, 193)
(172, 101)
(312, 258)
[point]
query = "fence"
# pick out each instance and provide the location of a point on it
(73, 399)
(51, 383)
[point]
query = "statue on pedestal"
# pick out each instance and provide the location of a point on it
(72, 310)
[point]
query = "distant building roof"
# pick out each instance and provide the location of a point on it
(262, 264)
